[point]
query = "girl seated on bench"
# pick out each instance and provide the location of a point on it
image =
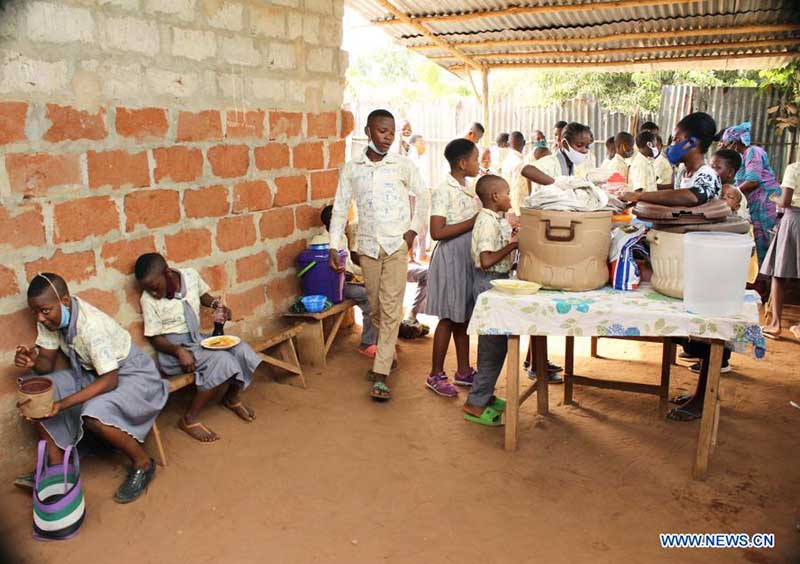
(171, 300)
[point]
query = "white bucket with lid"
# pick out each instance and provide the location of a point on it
(715, 267)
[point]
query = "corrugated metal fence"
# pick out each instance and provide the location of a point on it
(440, 121)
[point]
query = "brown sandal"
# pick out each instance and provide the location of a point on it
(241, 410)
(208, 435)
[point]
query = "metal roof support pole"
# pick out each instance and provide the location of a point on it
(486, 117)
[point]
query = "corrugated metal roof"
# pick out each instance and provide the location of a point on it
(586, 32)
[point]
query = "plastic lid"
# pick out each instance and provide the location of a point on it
(719, 239)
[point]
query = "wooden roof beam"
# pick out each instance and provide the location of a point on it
(681, 33)
(632, 62)
(517, 10)
(457, 53)
(762, 43)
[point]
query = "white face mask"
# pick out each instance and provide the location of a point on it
(654, 150)
(372, 146)
(576, 157)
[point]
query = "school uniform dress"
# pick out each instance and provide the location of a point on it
(178, 320)
(381, 191)
(451, 268)
(96, 345)
(664, 172)
(642, 174)
(619, 165)
(763, 212)
(491, 233)
(783, 257)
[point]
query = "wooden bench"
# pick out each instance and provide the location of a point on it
(288, 361)
(313, 343)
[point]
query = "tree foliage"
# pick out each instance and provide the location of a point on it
(786, 82)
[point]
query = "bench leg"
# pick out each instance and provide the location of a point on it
(593, 352)
(289, 354)
(311, 344)
(155, 435)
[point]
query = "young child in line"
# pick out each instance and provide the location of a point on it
(691, 139)
(664, 172)
(111, 387)
(492, 245)
(725, 163)
(611, 150)
(642, 174)
(381, 184)
(453, 213)
(783, 257)
(171, 300)
(623, 151)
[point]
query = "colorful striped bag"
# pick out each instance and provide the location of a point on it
(58, 505)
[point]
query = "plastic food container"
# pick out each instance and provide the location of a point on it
(319, 277)
(565, 250)
(35, 397)
(314, 304)
(715, 271)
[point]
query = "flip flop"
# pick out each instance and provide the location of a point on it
(251, 416)
(681, 399)
(380, 391)
(490, 417)
(682, 415)
(768, 335)
(184, 426)
(497, 403)
(795, 330)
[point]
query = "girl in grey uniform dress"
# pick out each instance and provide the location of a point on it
(453, 212)
(111, 386)
(171, 301)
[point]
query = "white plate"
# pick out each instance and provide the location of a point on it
(208, 343)
(518, 287)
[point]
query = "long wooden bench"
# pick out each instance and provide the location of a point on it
(288, 361)
(313, 343)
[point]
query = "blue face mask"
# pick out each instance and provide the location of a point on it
(676, 152)
(541, 143)
(65, 314)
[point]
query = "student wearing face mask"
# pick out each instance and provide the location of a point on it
(664, 172)
(623, 154)
(691, 139)
(573, 148)
(642, 174)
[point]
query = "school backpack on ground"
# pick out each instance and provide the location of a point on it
(58, 505)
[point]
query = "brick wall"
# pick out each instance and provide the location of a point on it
(208, 130)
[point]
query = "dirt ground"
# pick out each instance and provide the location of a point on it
(326, 475)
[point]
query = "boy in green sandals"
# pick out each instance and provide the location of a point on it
(492, 245)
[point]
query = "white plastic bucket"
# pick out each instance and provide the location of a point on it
(715, 269)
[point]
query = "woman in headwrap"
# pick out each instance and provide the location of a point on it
(757, 182)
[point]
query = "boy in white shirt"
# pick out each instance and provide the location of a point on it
(642, 175)
(664, 172)
(623, 142)
(381, 184)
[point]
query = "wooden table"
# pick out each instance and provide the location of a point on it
(602, 313)
(313, 343)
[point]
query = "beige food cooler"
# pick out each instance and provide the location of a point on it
(564, 250)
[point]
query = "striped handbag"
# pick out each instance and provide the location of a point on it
(58, 506)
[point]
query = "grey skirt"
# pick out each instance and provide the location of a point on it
(212, 368)
(783, 257)
(132, 406)
(450, 280)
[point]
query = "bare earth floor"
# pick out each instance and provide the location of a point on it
(326, 475)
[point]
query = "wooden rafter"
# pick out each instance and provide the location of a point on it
(677, 34)
(762, 43)
(632, 62)
(458, 53)
(517, 10)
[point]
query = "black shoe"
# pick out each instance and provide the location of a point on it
(696, 368)
(135, 484)
(688, 357)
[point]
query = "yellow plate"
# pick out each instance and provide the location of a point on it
(220, 342)
(519, 287)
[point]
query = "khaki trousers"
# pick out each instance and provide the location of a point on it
(385, 281)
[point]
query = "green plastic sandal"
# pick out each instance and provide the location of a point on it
(380, 391)
(490, 417)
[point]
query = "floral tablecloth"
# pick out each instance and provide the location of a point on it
(613, 313)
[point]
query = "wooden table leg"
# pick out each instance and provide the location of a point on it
(311, 344)
(569, 369)
(542, 376)
(709, 409)
(667, 355)
(512, 392)
(593, 352)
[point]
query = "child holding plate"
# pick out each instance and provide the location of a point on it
(171, 300)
